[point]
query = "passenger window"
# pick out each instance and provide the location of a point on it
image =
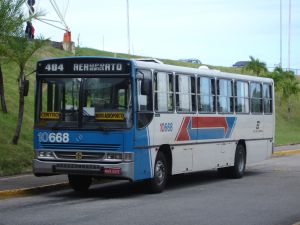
(225, 96)
(185, 93)
(164, 101)
(256, 97)
(267, 96)
(206, 95)
(241, 97)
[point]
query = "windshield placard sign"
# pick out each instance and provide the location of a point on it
(50, 115)
(110, 116)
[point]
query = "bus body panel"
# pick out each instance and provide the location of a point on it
(87, 142)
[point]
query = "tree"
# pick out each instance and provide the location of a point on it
(256, 66)
(289, 87)
(20, 50)
(286, 86)
(12, 18)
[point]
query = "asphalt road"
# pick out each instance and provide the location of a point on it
(267, 195)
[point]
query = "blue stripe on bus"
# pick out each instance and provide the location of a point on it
(142, 160)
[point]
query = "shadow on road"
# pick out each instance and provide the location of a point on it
(126, 189)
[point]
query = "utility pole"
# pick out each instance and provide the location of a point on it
(280, 34)
(128, 28)
(289, 44)
(103, 42)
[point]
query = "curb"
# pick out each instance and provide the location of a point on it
(286, 152)
(23, 192)
(33, 190)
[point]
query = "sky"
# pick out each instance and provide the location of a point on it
(218, 32)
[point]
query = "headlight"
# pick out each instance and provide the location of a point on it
(128, 156)
(114, 156)
(45, 155)
(118, 156)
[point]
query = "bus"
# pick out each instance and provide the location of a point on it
(98, 117)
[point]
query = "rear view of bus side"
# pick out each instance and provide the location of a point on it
(144, 121)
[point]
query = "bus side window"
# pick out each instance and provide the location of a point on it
(185, 93)
(144, 98)
(241, 97)
(256, 97)
(267, 96)
(225, 96)
(163, 92)
(206, 95)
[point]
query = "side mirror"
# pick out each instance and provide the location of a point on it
(26, 87)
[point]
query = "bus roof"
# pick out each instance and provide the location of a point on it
(199, 71)
(161, 67)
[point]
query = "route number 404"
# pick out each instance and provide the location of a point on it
(54, 67)
(53, 137)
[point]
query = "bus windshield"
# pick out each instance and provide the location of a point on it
(89, 103)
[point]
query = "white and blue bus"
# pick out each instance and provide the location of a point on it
(101, 117)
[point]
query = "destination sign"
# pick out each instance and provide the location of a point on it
(83, 65)
(100, 67)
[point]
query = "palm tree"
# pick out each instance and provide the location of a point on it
(11, 17)
(20, 50)
(256, 66)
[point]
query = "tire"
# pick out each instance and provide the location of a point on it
(80, 183)
(237, 171)
(159, 180)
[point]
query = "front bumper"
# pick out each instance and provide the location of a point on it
(46, 168)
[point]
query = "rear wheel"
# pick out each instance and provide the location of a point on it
(159, 180)
(80, 183)
(238, 170)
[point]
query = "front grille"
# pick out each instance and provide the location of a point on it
(80, 146)
(77, 168)
(88, 156)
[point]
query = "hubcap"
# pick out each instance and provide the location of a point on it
(160, 172)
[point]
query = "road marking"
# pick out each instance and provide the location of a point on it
(287, 152)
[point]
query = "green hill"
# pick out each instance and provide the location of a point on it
(17, 159)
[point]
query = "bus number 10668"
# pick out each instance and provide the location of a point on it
(53, 137)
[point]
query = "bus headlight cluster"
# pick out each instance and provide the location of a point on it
(114, 156)
(128, 156)
(45, 155)
(118, 156)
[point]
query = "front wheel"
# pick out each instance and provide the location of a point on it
(159, 180)
(80, 183)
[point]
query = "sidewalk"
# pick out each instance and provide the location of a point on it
(21, 185)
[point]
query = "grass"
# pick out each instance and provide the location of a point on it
(17, 159)
(288, 129)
